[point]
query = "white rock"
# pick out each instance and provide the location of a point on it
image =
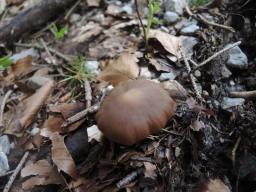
(175, 5)
(2, 6)
(94, 133)
(28, 52)
(5, 145)
(4, 166)
(231, 102)
(171, 17)
(93, 66)
(189, 28)
(237, 59)
(167, 76)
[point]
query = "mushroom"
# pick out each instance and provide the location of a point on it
(133, 110)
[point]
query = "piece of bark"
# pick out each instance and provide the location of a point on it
(32, 19)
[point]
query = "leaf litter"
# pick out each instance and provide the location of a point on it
(203, 147)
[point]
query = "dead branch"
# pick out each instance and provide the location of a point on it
(32, 19)
(218, 53)
(88, 93)
(80, 115)
(128, 179)
(243, 94)
(7, 95)
(15, 173)
(200, 18)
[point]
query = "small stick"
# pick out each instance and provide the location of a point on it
(141, 23)
(80, 115)
(53, 51)
(128, 179)
(192, 78)
(71, 10)
(47, 51)
(205, 21)
(15, 173)
(218, 53)
(88, 93)
(7, 95)
(235, 149)
(243, 94)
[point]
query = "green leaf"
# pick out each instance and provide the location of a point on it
(156, 6)
(5, 62)
(157, 21)
(59, 34)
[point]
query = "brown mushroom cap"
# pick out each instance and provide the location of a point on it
(133, 110)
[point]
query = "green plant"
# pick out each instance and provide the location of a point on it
(5, 62)
(59, 33)
(197, 3)
(153, 8)
(79, 72)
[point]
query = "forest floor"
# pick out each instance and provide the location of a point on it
(59, 60)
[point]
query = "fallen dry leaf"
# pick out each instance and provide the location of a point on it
(175, 89)
(121, 69)
(43, 174)
(169, 42)
(20, 68)
(93, 3)
(94, 133)
(213, 185)
(150, 170)
(85, 33)
(54, 121)
(28, 109)
(60, 154)
(197, 125)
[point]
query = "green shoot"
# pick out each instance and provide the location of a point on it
(78, 72)
(5, 62)
(153, 8)
(59, 33)
(197, 3)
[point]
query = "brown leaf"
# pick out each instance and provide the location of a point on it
(60, 154)
(169, 42)
(43, 174)
(29, 108)
(150, 170)
(54, 121)
(93, 3)
(175, 89)
(20, 68)
(213, 185)
(122, 69)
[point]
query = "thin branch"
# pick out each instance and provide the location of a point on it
(243, 94)
(129, 178)
(7, 95)
(218, 53)
(141, 23)
(192, 77)
(80, 115)
(72, 9)
(53, 51)
(88, 93)
(200, 18)
(15, 173)
(47, 51)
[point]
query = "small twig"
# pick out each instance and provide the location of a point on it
(71, 10)
(218, 53)
(129, 178)
(47, 51)
(193, 62)
(233, 153)
(205, 21)
(192, 77)
(7, 95)
(141, 23)
(243, 94)
(53, 51)
(15, 173)
(88, 93)
(80, 115)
